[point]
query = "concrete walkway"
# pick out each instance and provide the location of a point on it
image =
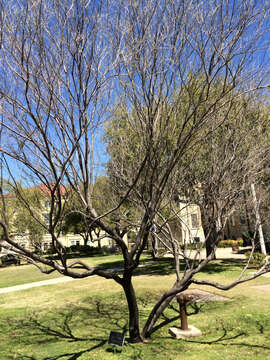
(36, 284)
(221, 254)
(226, 253)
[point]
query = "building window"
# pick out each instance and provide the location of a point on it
(196, 239)
(74, 242)
(232, 220)
(194, 221)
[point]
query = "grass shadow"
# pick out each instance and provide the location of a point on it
(219, 266)
(224, 339)
(69, 325)
(192, 309)
(67, 356)
(98, 317)
(165, 266)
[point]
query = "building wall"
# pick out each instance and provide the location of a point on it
(239, 224)
(67, 240)
(236, 226)
(76, 239)
(191, 225)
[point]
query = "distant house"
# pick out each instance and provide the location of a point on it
(37, 238)
(191, 225)
(237, 225)
(186, 228)
(241, 224)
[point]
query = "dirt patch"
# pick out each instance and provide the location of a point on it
(205, 296)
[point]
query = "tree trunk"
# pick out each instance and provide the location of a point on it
(134, 329)
(86, 239)
(158, 309)
(247, 213)
(154, 316)
(258, 219)
(209, 227)
(154, 251)
(211, 241)
(210, 244)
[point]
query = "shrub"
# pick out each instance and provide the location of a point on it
(161, 252)
(68, 249)
(257, 259)
(50, 251)
(74, 248)
(91, 250)
(230, 243)
(193, 246)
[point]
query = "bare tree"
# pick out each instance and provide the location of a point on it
(63, 63)
(211, 176)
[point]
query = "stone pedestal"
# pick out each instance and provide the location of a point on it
(178, 333)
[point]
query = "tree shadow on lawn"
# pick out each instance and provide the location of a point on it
(166, 267)
(67, 356)
(192, 309)
(224, 339)
(98, 318)
(218, 266)
(65, 325)
(246, 327)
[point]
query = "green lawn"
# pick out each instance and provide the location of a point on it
(72, 321)
(17, 275)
